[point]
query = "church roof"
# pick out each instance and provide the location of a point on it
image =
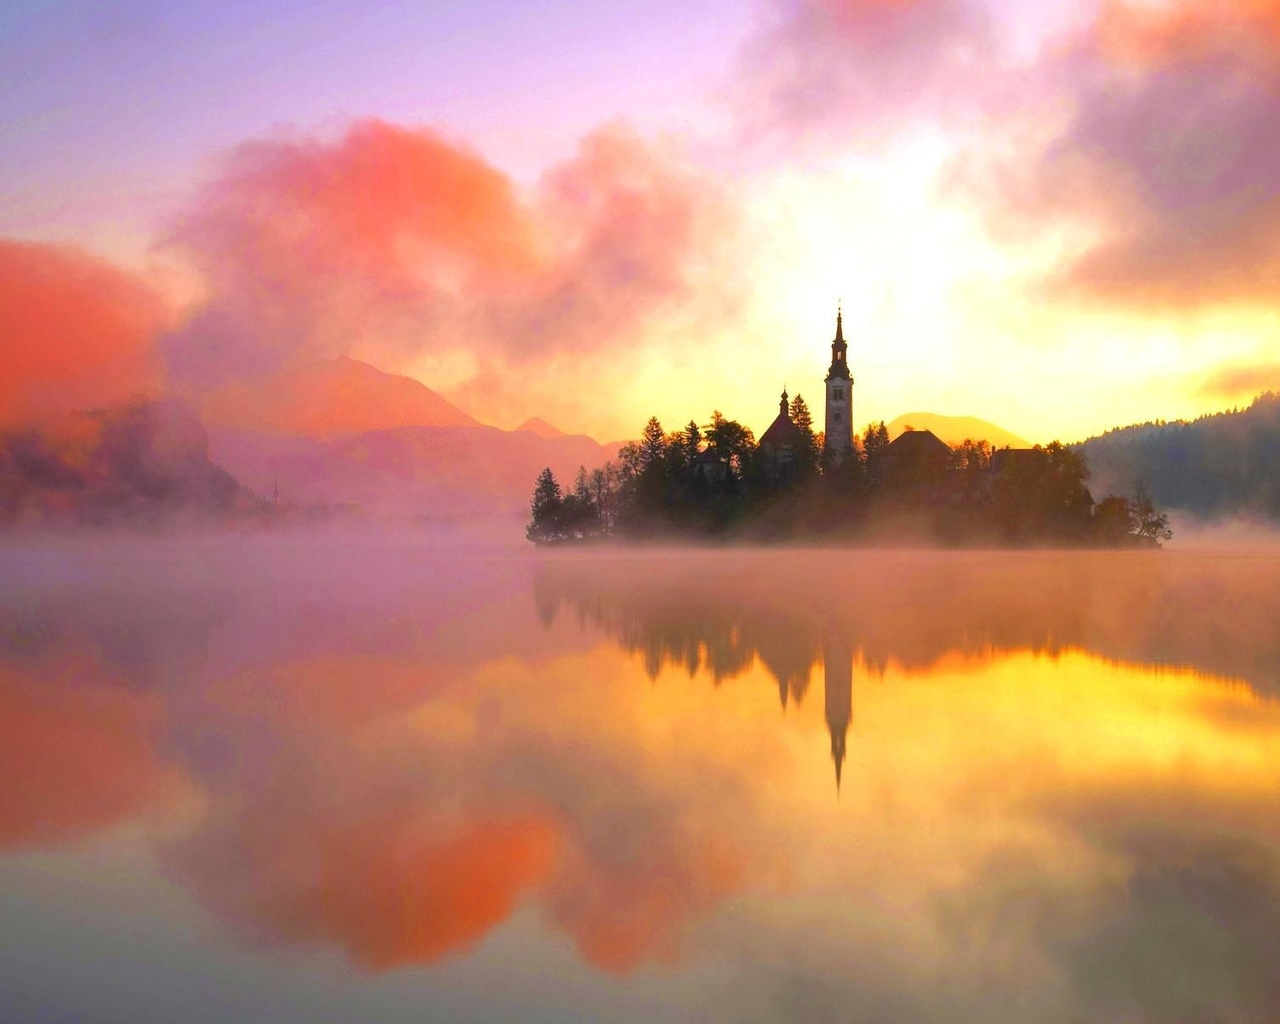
(918, 443)
(782, 431)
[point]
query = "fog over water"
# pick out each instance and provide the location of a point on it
(340, 777)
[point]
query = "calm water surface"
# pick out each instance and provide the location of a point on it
(335, 780)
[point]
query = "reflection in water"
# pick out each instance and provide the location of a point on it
(1057, 798)
(793, 612)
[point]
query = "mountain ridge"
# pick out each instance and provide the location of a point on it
(954, 429)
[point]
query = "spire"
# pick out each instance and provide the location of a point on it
(783, 406)
(839, 324)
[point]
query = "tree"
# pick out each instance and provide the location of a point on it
(732, 440)
(547, 506)
(972, 455)
(628, 462)
(1152, 524)
(803, 419)
(875, 438)
(579, 514)
(653, 444)
(1114, 521)
(692, 441)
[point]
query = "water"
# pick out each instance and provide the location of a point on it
(335, 779)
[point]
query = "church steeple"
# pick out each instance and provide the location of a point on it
(839, 425)
(839, 351)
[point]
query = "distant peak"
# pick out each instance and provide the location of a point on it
(955, 429)
(540, 427)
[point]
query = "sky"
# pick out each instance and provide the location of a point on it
(1060, 217)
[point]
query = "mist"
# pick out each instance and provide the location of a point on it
(384, 753)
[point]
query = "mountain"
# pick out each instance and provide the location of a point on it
(329, 399)
(344, 433)
(1223, 464)
(440, 473)
(137, 462)
(955, 429)
(539, 426)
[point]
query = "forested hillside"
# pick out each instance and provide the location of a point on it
(1224, 464)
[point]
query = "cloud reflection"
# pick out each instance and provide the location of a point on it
(1045, 802)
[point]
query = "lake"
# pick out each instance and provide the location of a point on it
(348, 778)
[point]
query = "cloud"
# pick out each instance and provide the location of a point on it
(397, 244)
(862, 68)
(78, 333)
(1163, 164)
(1235, 382)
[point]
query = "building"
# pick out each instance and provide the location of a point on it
(781, 446)
(839, 413)
(914, 457)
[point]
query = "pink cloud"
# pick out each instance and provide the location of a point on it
(1168, 154)
(859, 69)
(395, 242)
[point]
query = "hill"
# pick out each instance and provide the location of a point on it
(539, 426)
(138, 462)
(1223, 464)
(955, 429)
(331, 398)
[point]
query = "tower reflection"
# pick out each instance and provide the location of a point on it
(790, 612)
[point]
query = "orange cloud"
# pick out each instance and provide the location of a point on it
(624, 914)
(396, 892)
(77, 332)
(1146, 35)
(383, 203)
(1235, 382)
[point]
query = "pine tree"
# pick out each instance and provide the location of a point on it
(875, 438)
(546, 507)
(652, 444)
(803, 419)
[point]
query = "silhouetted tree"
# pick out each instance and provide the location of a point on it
(733, 441)
(972, 455)
(807, 460)
(1151, 523)
(1114, 521)
(546, 508)
(692, 441)
(629, 464)
(875, 438)
(653, 444)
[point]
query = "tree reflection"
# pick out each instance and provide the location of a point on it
(794, 612)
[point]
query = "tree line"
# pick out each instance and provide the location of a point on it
(713, 481)
(1224, 463)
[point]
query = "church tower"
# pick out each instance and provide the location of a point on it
(839, 422)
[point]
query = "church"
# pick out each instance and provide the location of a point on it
(781, 442)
